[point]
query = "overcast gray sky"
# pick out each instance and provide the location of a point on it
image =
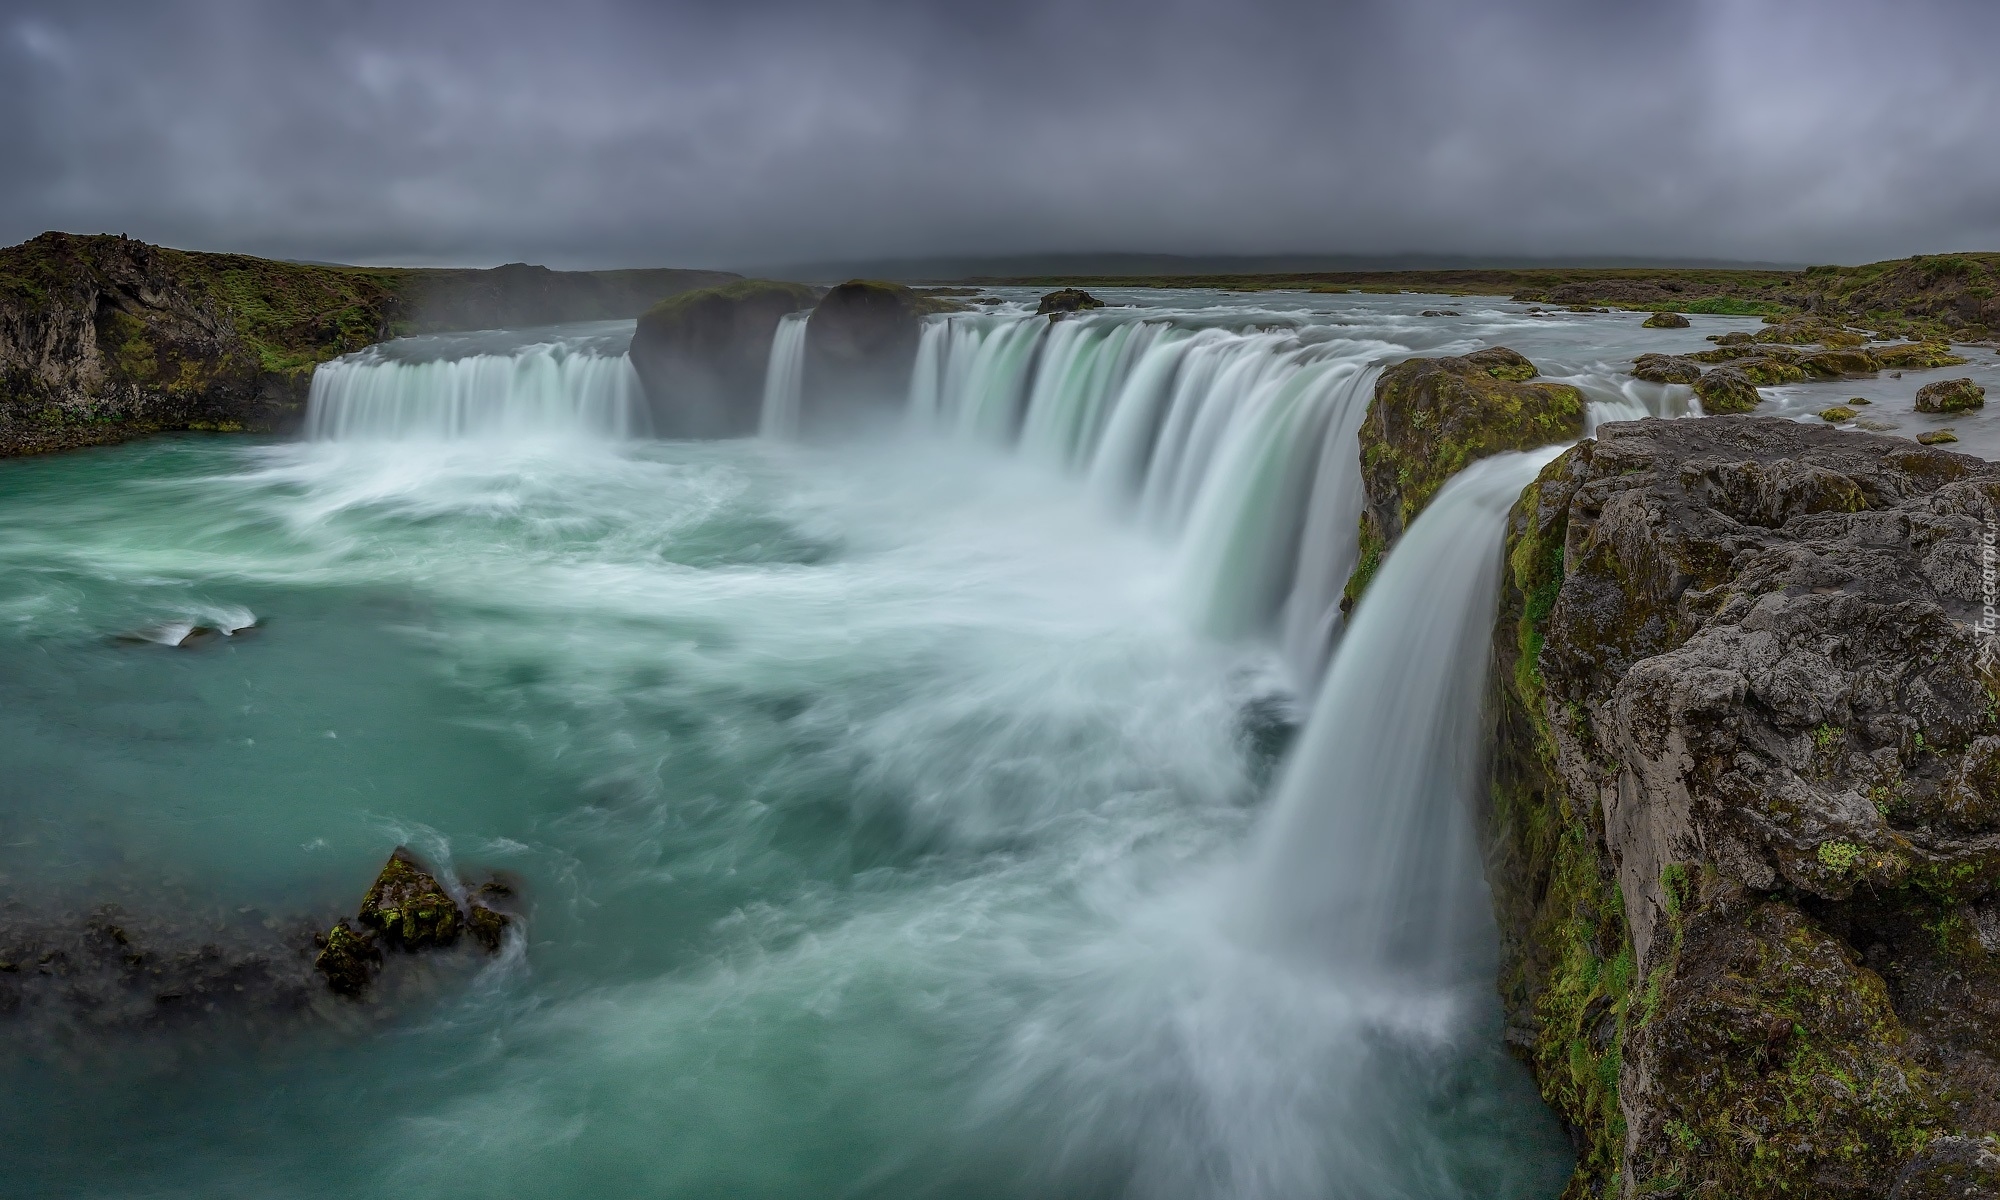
(607, 133)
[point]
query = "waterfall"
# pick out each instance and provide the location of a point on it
(1238, 445)
(1369, 854)
(779, 417)
(418, 389)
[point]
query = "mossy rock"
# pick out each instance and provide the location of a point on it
(1936, 437)
(348, 958)
(1430, 418)
(1733, 338)
(1666, 368)
(1067, 300)
(1950, 396)
(410, 908)
(1767, 371)
(1914, 356)
(1665, 320)
(1836, 414)
(1836, 364)
(1726, 390)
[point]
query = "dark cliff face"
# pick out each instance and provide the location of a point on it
(1746, 809)
(1429, 418)
(702, 356)
(103, 338)
(861, 345)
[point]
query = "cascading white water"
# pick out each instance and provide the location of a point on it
(417, 389)
(784, 377)
(1239, 445)
(1369, 853)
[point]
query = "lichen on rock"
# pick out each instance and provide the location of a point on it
(409, 907)
(1666, 368)
(1745, 813)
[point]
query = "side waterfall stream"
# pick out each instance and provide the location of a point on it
(906, 817)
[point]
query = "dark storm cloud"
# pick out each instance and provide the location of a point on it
(601, 133)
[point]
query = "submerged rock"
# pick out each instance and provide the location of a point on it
(1950, 396)
(1665, 368)
(1429, 418)
(1936, 437)
(1745, 812)
(410, 908)
(1836, 414)
(1665, 320)
(701, 356)
(1067, 300)
(1726, 390)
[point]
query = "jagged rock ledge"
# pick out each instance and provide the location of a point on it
(1745, 813)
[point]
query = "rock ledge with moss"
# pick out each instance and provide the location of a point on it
(1745, 813)
(1430, 418)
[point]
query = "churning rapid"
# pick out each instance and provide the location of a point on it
(992, 806)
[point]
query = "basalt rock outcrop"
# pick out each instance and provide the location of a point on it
(1429, 418)
(1745, 813)
(104, 338)
(861, 345)
(702, 355)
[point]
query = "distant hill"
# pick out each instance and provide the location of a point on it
(951, 269)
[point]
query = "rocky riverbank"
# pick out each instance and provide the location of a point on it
(1746, 810)
(104, 338)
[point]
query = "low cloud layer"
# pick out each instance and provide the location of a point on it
(599, 133)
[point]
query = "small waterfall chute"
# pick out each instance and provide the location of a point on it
(1369, 855)
(784, 379)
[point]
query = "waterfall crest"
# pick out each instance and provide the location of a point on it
(784, 378)
(1239, 445)
(577, 386)
(1369, 855)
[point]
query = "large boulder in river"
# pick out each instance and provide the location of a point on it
(1066, 300)
(1431, 417)
(702, 355)
(1726, 390)
(1745, 811)
(1950, 396)
(408, 908)
(1665, 368)
(1665, 320)
(861, 345)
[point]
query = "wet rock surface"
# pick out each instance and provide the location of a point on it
(1726, 390)
(407, 909)
(1666, 320)
(1432, 416)
(1745, 811)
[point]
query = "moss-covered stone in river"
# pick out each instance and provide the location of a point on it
(1950, 396)
(1726, 390)
(1665, 320)
(348, 958)
(410, 908)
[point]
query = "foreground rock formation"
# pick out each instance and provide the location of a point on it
(702, 355)
(1746, 811)
(1429, 418)
(104, 338)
